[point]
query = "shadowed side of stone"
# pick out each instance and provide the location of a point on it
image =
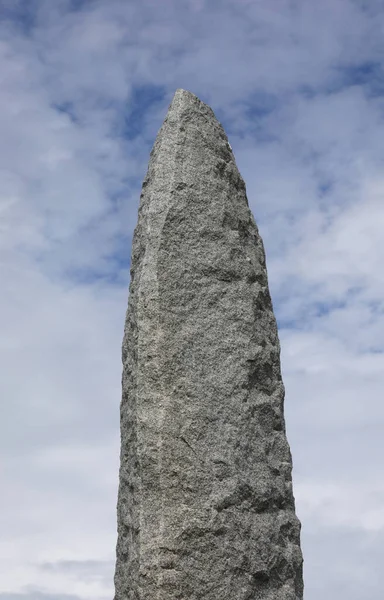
(205, 506)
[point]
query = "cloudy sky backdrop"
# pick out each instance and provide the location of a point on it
(84, 88)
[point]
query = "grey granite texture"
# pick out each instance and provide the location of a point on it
(205, 505)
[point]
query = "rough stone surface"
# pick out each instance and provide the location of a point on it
(205, 506)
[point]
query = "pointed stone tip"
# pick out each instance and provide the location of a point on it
(185, 100)
(185, 97)
(180, 92)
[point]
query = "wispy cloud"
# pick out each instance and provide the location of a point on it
(84, 88)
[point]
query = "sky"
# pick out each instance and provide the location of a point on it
(84, 88)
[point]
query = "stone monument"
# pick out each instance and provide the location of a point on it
(205, 504)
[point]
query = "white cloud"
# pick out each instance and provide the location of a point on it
(358, 506)
(307, 134)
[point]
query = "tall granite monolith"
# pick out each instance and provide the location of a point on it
(205, 505)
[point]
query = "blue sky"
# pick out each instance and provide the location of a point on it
(84, 89)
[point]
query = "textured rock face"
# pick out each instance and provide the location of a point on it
(205, 506)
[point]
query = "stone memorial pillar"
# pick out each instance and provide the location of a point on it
(205, 505)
